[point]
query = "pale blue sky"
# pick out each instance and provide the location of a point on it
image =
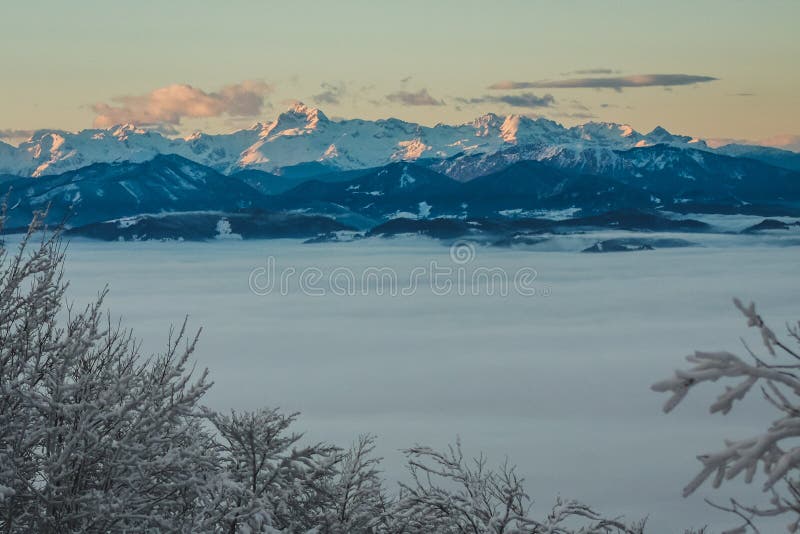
(61, 58)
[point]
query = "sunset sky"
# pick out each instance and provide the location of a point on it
(714, 69)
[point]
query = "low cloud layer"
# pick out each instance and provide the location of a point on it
(411, 98)
(521, 100)
(169, 105)
(608, 82)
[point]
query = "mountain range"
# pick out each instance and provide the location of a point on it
(304, 175)
(305, 137)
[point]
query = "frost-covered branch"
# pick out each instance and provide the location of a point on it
(357, 501)
(775, 449)
(449, 493)
(282, 484)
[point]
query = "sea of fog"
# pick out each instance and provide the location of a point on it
(558, 380)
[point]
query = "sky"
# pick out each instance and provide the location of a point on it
(718, 69)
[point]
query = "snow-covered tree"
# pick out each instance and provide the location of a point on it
(777, 377)
(357, 501)
(283, 484)
(93, 437)
(450, 494)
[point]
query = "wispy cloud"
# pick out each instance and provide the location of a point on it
(614, 106)
(331, 93)
(411, 98)
(617, 83)
(171, 104)
(521, 100)
(576, 104)
(584, 72)
(163, 129)
(581, 115)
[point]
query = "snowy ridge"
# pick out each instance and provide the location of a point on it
(303, 134)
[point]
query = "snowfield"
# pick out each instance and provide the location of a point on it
(558, 383)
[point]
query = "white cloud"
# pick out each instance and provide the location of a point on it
(409, 98)
(608, 82)
(170, 104)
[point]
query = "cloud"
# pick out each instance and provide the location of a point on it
(522, 100)
(584, 72)
(171, 104)
(576, 104)
(527, 100)
(613, 106)
(331, 93)
(608, 82)
(409, 98)
(579, 115)
(163, 129)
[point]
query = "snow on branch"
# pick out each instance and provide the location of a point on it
(775, 449)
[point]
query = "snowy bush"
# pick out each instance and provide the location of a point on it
(775, 449)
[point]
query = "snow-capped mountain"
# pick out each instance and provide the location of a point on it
(773, 156)
(656, 177)
(56, 151)
(303, 135)
(102, 191)
(170, 195)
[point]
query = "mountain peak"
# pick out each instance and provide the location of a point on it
(121, 131)
(297, 119)
(659, 132)
(510, 128)
(595, 130)
(486, 123)
(486, 118)
(299, 109)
